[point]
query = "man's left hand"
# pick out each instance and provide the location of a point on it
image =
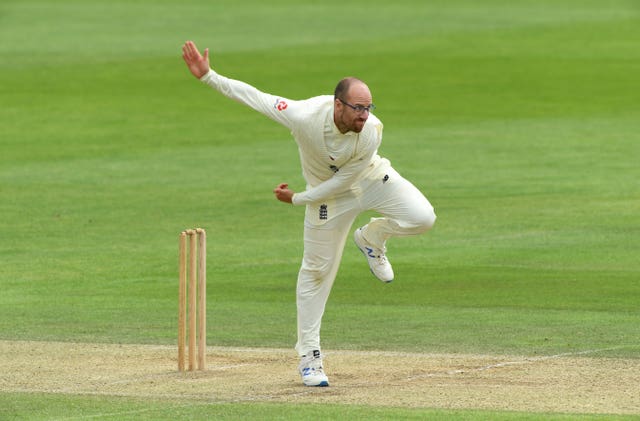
(283, 193)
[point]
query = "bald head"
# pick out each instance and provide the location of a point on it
(343, 87)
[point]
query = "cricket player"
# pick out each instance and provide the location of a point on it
(338, 139)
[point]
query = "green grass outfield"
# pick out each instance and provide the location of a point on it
(519, 120)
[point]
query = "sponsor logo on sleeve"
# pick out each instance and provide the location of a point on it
(280, 104)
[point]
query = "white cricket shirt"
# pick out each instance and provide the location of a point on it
(331, 161)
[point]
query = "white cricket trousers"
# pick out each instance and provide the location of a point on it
(405, 211)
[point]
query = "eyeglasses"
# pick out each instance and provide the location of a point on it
(359, 108)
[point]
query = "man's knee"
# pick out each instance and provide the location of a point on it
(425, 221)
(315, 269)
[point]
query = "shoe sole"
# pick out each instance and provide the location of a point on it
(321, 384)
(367, 256)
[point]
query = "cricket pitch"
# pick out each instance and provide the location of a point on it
(568, 383)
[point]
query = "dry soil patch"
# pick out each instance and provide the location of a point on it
(567, 383)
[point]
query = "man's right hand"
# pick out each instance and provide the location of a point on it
(197, 63)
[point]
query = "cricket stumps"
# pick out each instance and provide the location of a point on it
(192, 297)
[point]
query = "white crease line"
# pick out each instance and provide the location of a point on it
(530, 360)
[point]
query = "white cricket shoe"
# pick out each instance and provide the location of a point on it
(376, 258)
(311, 370)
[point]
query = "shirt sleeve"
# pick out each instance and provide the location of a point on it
(279, 109)
(341, 181)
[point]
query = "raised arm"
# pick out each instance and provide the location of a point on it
(279, 109)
